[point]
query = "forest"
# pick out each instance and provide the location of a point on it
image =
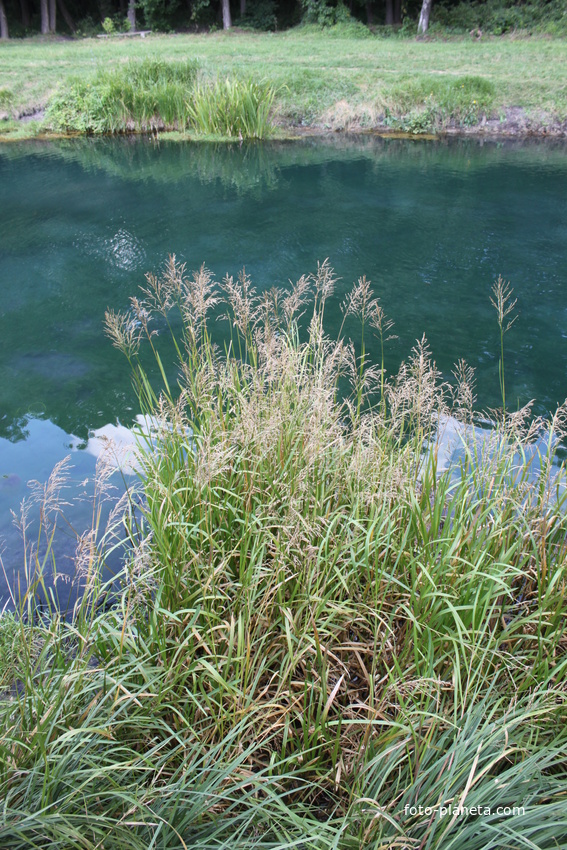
(66, 18)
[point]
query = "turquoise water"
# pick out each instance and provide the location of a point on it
(431, 224)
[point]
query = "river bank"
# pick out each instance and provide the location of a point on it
(322, 83)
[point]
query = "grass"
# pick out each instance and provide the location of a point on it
(232, 108)
(139, 95)
(151, 94)
(330, 82)
(316, 631)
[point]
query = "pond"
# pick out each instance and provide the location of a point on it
(432, 224)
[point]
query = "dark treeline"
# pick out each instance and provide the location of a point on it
(90, 17)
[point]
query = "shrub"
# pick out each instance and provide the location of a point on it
(260, 16)
(501, 16)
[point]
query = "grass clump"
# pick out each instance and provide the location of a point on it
(319, 637)
(232, 107)
(154, 94)
(140, 95)
(428, 104)
(6, 98)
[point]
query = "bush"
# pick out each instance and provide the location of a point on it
(260, 16)
(325, 14)
(501, 16)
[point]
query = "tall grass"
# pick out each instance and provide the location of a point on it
(317, 630)
(232, 107)
(140, 94)
(154, 94)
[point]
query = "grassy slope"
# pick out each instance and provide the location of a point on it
(315, 72)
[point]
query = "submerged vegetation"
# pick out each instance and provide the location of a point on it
(319, 638)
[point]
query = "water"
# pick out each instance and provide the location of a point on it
(432, 225)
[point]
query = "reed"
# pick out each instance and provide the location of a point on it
(317, 629)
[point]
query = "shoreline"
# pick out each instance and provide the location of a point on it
(513, 123)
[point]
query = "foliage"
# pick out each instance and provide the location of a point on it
(154, 93)
(6, 101)
(428, 104)
(343, 28)
(142, 93)
(158, 14)
(316, 628)
(116, 24)
(260, 16)
(88, 27)
(325, 14)
(501, 16)
(6, 97)
(233, 108)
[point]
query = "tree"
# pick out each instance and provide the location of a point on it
(226, 19)
(3, 21)
(26, 16)
(44, 17)
(66, 16)
(132, 14)
(393, 12)
(424, 16)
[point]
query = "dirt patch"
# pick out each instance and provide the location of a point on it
(515, 121)
(511, 122)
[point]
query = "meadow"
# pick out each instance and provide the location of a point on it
(328, 80)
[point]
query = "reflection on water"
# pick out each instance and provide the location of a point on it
(431, 224)
(28, 465)
(457, 445)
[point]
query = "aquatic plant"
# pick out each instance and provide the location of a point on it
(319, 637)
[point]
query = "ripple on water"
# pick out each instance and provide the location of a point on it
(122, 249)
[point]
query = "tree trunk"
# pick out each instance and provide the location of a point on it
(132, 14)
(397, 11)
(3, 21)
(389, 12)
(424, 16)
(26, 17)
(44, 17)
(369, 13)
(52, 15)
(242, 8)
(66, 16)
(226, 19)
